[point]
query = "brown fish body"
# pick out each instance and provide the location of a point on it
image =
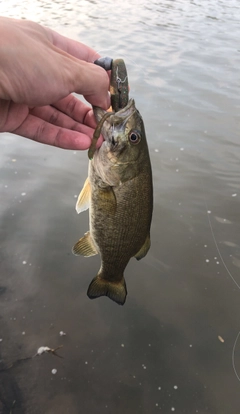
(119, 194)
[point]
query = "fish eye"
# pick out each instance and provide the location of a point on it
(134, 137)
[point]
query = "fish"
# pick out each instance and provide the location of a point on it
(119, 195)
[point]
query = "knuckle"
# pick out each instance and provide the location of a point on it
(40, 132)
(71, 105)
(58, 138)
(54, 117)
(75, 126)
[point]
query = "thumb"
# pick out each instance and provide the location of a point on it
(92, 81)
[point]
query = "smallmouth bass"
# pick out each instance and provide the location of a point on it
(119, 195)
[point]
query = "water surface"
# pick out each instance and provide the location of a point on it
(162, 351)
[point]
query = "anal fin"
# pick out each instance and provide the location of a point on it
(85, 246)
(144, 249)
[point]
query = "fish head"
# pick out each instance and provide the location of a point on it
(124, 134)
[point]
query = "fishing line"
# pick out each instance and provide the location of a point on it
(231, 276)
(216, 244)
(233, 356)
(127, 59)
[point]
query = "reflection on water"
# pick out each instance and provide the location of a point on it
(161, 352)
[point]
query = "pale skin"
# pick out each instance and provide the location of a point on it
(39, 71)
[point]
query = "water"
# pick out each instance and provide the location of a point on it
(163, 351)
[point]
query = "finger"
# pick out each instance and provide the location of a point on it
(74, 48)
(97, 93)
(84, 78)
(54, 116)
(41, 131)
(77, 110)
(92, 82)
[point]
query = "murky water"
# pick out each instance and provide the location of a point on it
(163, 351)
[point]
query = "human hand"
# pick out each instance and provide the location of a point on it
(39, 70)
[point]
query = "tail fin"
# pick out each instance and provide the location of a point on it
(117, 291)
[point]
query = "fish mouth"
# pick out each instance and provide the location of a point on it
(125, 112)
(121, 116)
(113, 128)
(118, 138)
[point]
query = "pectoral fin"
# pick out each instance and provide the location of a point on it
(107, 200)
(84, 197)
(144, 249)
(85, 246)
